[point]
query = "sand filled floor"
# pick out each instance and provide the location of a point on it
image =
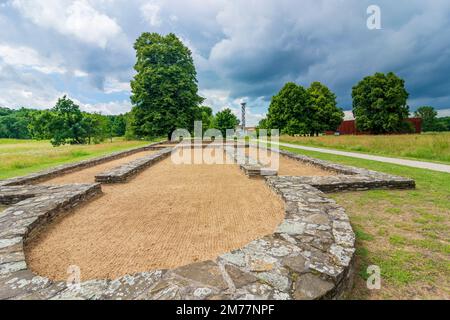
(287, 166)
(88, 175)
(169, 215)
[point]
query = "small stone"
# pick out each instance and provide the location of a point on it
(235, 257)
(276, 280)
(11, 267)
(281, 296)
(258, 265)
(291, 227)
(309, 287)
(202, 292)
(317, 219)
(165, 290)
(239, 277)
(281, 251)
(342, 255)
(207, 272)
(296, 263)
(9, 242)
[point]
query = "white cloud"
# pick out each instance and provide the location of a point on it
(24, 57)
(444, 113)
(113, 85)
(348, 115)
(151, 13)
(215, 98)
(25, 89)
(107, 108)
(74, 18)
(80, 73)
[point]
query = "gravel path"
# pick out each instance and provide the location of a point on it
(169, 215)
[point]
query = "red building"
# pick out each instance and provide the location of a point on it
(349, 126)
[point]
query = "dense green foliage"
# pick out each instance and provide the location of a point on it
(14, 123)
(443, 124)
(224, 120)
(164, 90)
(65, 123)
(295, 110)
(207, 118)
(379, 104)
(327, 116)
(430, 121)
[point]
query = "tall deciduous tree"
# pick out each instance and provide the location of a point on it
(164, 90)
(66, 125)
(379, 103)
(289, 110)
(224, 120)
(326, 114)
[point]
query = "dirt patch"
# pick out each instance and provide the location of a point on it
(2, 208)
(289, 167)
(168, 216)
(88, 175)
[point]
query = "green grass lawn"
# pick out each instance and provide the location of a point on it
(434, 147)
(21, 157)
(405, 232)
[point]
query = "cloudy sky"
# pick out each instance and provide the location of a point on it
(242, 49)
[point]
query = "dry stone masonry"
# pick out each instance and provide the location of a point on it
(127, 170)
(309, 256)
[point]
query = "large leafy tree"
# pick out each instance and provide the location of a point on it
(164, 90)
(379, 103)
(224, 120)
(326, 114)
(289, 110)
(67, 125)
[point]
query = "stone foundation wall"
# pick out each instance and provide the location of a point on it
(309, 256)
(126, 171)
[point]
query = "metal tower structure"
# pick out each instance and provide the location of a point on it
(243, 110)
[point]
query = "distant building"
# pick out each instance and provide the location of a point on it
(349, 127)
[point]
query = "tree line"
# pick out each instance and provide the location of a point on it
(379, 106)
(65, 123)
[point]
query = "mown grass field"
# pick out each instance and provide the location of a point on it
(426, 147)
(20, 157)
(405, 232)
